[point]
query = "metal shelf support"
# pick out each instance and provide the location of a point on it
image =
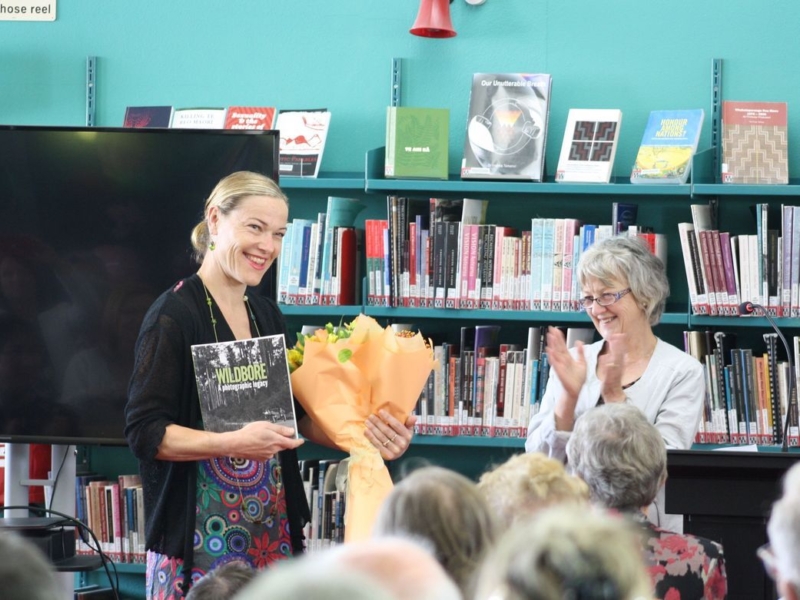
(91, 89)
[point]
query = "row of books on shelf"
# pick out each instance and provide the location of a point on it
(507, 129)
(303, 133)
(325, 485)
(320, 262)
(114, 511)
(748, 395)
(724, 270)
(441, 253)
(485, 387)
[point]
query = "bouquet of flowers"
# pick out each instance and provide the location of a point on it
(343, 375)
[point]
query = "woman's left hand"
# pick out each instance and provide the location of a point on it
(389, 435)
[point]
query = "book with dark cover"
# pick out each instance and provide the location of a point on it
(244, 381)
(755, 142)
(147, 116)
(507, 126)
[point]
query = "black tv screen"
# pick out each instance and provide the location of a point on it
(94, 225)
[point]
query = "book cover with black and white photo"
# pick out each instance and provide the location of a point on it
(244, 381)
(507, 126)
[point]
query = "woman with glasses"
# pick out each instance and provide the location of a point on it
(625, 290)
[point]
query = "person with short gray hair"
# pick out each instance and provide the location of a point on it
(781, 556)
(222, 582)
(623, 459)
(624, 290)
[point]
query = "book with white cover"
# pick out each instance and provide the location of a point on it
(198, 118)
(590, 145)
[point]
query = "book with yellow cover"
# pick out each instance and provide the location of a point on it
(668, 144)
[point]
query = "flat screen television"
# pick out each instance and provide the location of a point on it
(94, 225)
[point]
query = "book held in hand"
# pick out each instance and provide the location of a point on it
(507, 126)
(755, 142)
(417, 142)
(668, 144)
(590, 145)
(244, 381)
(302, 141)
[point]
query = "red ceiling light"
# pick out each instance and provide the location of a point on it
(433, 20)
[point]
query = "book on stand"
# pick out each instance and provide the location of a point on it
(198, 118)
(244, 381)
(507, 126)
(303, 134)
(589, 146)
(147, 116)
(249, 117)
(417, 142)
(755, 142)
(669, 141)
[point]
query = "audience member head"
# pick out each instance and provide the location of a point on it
(565, 552)
(448, 512)
(627, 261)
(311, 577)
(403, 566)
(222, 582)
(620, 455)
(527, 483)
(782, 556)
(25, 573)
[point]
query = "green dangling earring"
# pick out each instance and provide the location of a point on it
(212, 245)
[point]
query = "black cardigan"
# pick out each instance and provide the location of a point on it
(163, 391)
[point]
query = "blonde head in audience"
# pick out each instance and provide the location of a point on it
(566, 552)
(527, 483)
(446, 510)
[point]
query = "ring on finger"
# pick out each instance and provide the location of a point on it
(387, 442)
(393, 438)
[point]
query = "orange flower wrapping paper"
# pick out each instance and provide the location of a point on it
(341, 383)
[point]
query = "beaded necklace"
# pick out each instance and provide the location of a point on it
(278, 478)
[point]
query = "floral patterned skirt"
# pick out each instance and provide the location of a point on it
(240, 515)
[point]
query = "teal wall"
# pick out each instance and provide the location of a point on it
(626, 54)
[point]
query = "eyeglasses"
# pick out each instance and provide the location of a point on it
(767, 557)
(606, 299)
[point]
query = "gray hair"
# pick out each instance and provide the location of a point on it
(25, 572)
(784, 528)
(628, 260)
(222, 582)
(226, 196)
(619, 454)
(564, 553)
(445, 509)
